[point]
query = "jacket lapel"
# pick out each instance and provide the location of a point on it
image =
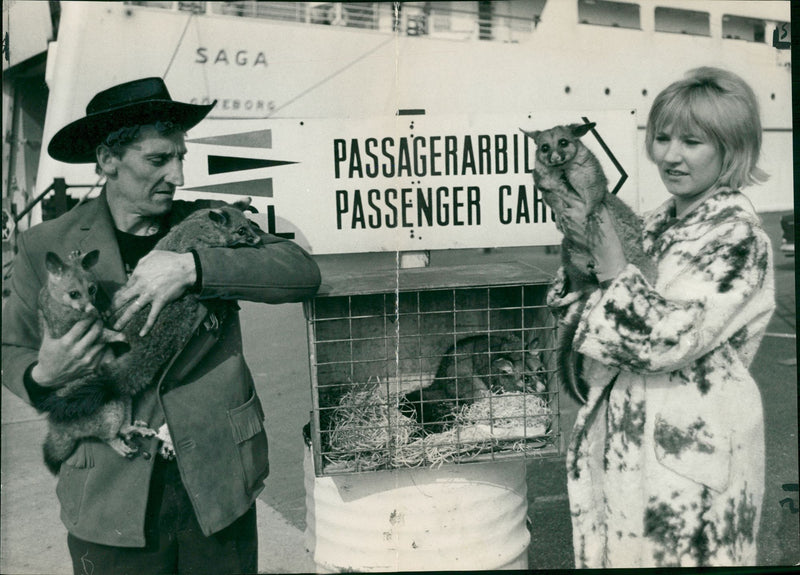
(99, 235)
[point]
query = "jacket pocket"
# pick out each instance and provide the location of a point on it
(693, 451)
(247, 426)
(72, 481)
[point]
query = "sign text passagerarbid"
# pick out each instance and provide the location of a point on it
(401, 183)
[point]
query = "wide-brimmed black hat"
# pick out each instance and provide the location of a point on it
(139, 102)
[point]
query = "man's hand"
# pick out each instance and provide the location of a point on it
(159, 278)
(76, 354)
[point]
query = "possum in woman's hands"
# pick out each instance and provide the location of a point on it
(565, 167)
(475, 366)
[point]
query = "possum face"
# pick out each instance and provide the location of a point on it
(556, 146)
(518, 371)
(70, 283)
(560, 144)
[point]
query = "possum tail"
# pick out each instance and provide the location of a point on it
(79, 399)
(56, 449)
(568, 363)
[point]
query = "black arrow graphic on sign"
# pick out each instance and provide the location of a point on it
(261, 187)
(255, 139)
(225, 164)
(623, 174)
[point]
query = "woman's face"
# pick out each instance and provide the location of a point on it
(688, 162)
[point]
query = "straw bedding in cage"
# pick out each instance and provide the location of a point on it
(368, 431)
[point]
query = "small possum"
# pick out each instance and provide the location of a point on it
(564, 166)
(475, 366)
(88, 406)
(100, 406)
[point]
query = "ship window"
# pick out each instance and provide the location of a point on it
(743, 28)
(607, 13)
(679, 21)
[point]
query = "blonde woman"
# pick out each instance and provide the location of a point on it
(666, 461)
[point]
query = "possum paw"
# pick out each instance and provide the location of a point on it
(119, 445)
(139, 429)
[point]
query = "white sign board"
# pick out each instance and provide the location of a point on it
(406, 182)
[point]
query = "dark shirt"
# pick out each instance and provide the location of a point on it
(132, 248)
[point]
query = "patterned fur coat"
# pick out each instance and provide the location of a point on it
(666, 461)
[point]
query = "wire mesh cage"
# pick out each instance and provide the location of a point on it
(432, 366)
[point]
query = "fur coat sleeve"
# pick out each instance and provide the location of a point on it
(712, 288)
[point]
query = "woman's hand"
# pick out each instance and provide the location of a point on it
(605, 246)
(573, 218)
(596, 234)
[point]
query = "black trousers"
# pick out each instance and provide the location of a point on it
(174, 541)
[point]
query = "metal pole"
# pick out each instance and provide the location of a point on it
(35, 201)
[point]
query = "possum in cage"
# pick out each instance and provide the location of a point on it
(474, 367)
(100, 405)
(565, 166)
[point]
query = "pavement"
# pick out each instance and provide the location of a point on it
(33, 540)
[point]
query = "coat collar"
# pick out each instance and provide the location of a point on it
(662, 229)
(100, 235)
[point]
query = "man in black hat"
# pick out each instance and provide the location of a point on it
(157, 512)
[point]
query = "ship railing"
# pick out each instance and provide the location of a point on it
(447, 20)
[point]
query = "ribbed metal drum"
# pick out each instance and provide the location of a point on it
(465, 517)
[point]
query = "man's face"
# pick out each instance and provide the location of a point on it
(147, 173)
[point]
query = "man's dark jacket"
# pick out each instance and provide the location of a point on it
(206, 394)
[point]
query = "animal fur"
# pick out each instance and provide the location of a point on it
(564, 167)
(226, 226)
(475, 366)
(100, 405)
(87, 406)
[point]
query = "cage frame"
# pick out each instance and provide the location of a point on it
(394, 282)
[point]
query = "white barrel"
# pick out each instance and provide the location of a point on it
(462, 517)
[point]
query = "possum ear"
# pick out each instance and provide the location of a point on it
(245, 205)
(579, 130)
(90, 259)
(218, 217)
(533, 134)
(54, 264)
